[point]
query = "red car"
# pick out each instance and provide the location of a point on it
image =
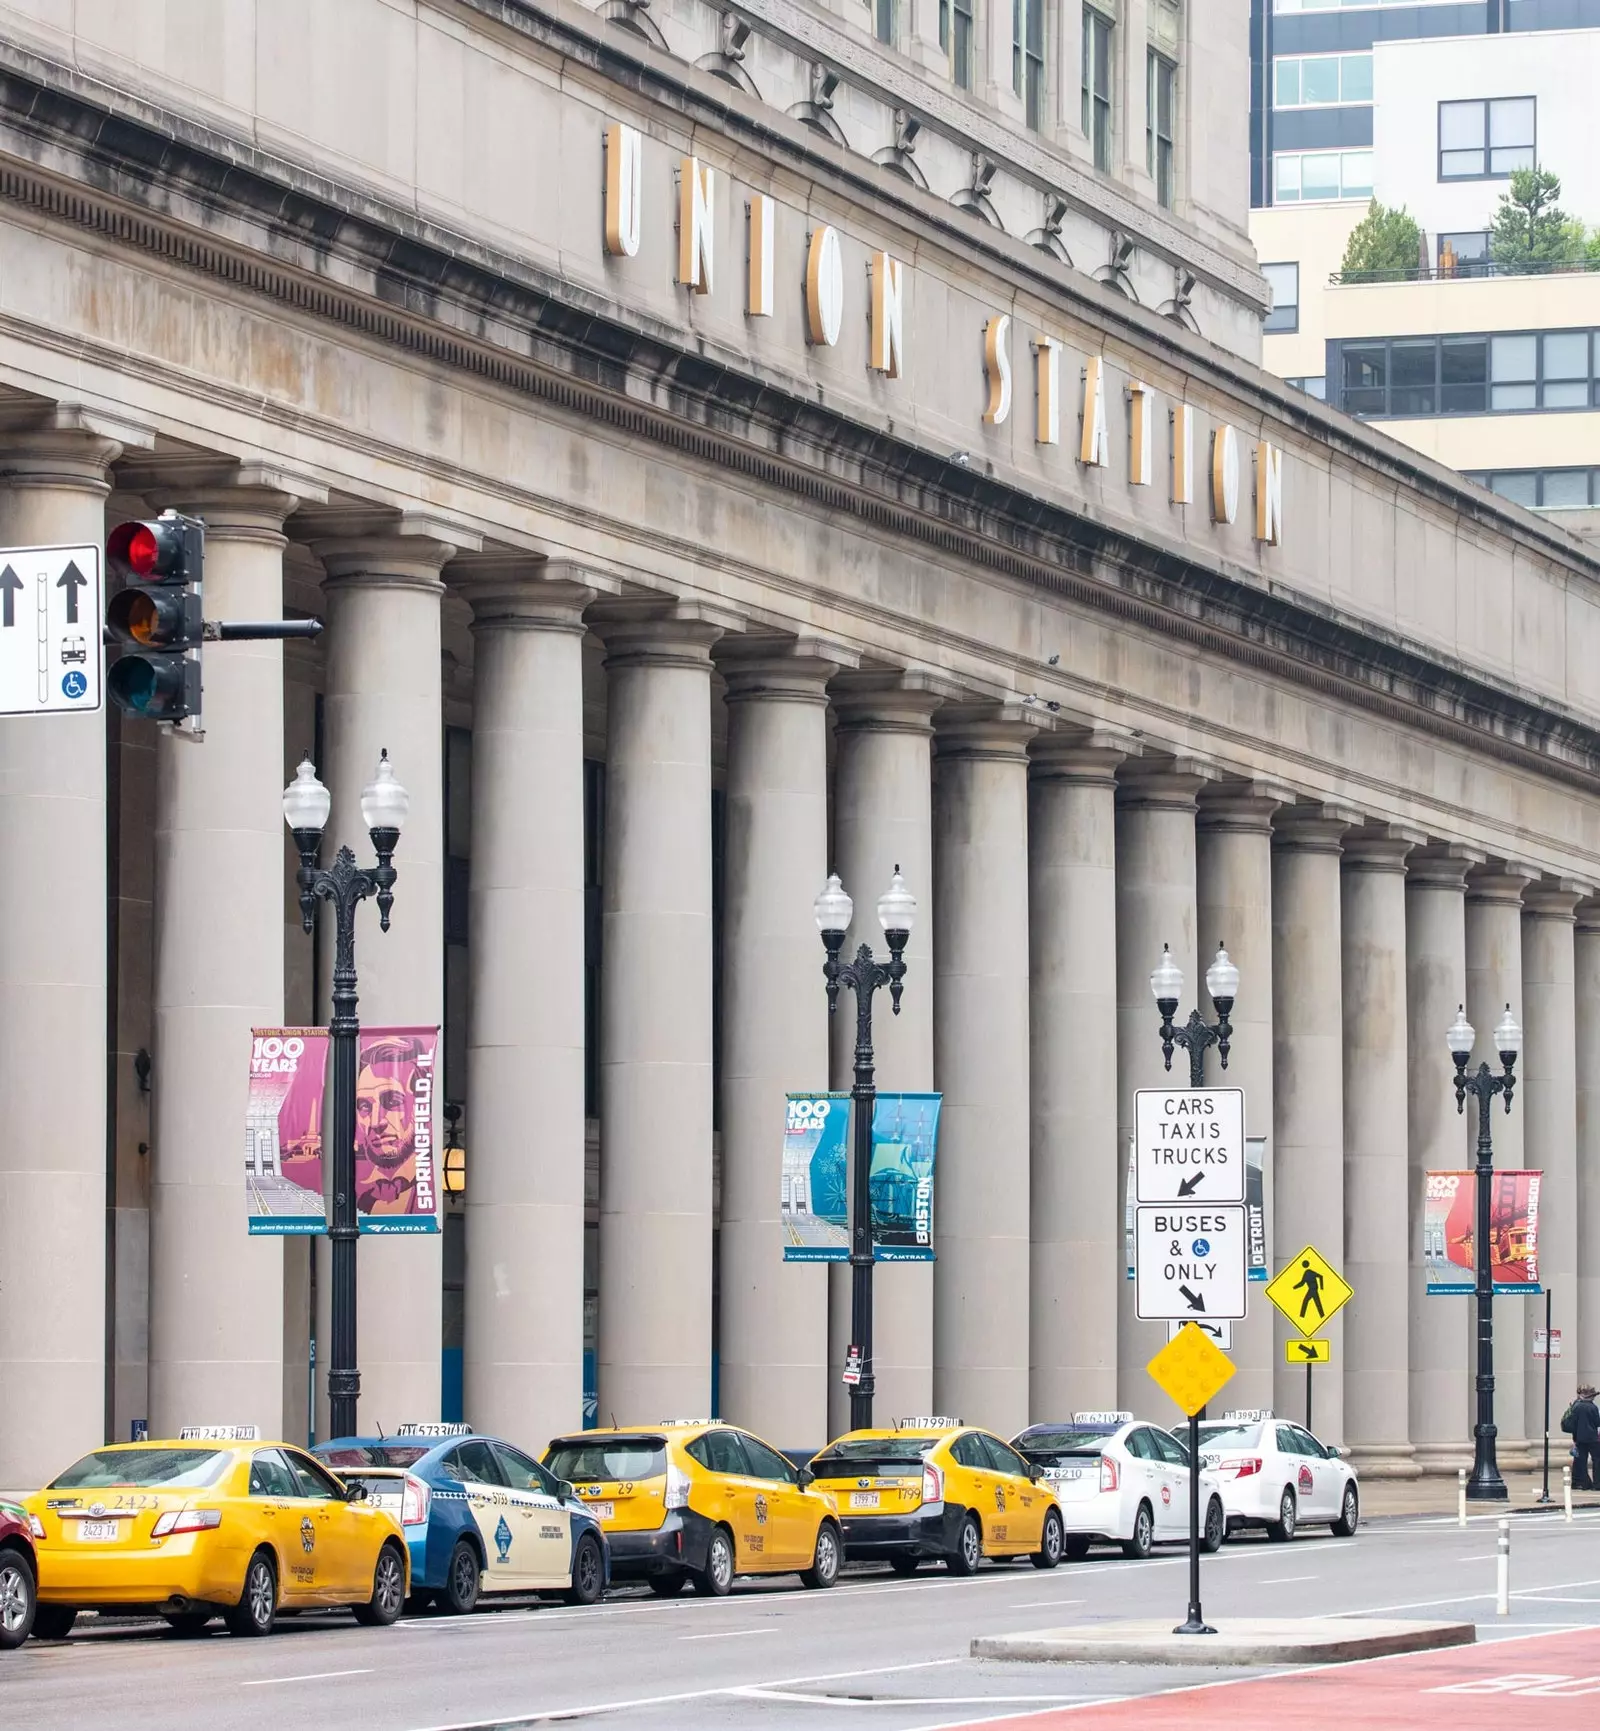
(19, 1575)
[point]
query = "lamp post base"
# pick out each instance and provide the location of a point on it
(1195, 1625)
(1488, 1489)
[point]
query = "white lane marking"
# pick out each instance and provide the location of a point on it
(308, 1677)
(727, 1634)
(1282, 1580)
(543, 1715)
(1460, 1599)
(1044, 1604)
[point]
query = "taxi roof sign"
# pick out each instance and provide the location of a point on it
(1102, 1418)
(1191, 1368)
(1310, 1291)
(1247, 1415)
(929, 1423)
(434, 1429)
(220, 1433)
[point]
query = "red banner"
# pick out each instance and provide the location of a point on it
(1450, 1224)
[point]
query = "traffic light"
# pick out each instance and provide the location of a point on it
(157, 617)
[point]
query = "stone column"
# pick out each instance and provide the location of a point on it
(1372, 936)
(1076, 1255)
(1547, 1098)
(53, 1178)
(655, 1010)
(1308, 1077)
(523, 1330)
(384, 693)
(1494, 979)
(883, 817)
(980, 1048)
(774, 1316)
(216, 1294)
(1233, 874)
(1155, 906)
(1584, 1313)
(1436, 982)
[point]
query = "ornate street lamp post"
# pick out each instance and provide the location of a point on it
(1486, 1484)
(1222, 982)
(897, 909)
(306, 804)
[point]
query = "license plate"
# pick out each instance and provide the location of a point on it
(602, 1511)
(863, 1499)
(97, 1532)
(1070, 1473)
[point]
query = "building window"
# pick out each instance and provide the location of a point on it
(1506, 373)
(1284, 281)
(1301, 177)
(1313, 387)
(1465, 253)
(883, 20)
(955, 38)
(1161, 83)
(1097, 85)
(1485, 140)
(1321, 80)
(1027, 58)
(1544, 489)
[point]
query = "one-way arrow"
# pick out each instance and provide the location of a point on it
(1306, 1349)
(72, 580)
(10, 583)
(1195, 1299)
(1191, 1184)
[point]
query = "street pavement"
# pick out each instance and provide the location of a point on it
(882, 1652)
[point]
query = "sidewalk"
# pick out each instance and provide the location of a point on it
(1439, 1496)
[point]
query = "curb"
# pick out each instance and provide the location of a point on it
(1286, 1641)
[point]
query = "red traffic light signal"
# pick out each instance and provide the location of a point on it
(157, 616)
(170, 549)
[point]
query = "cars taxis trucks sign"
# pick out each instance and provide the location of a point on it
(1189, 1144)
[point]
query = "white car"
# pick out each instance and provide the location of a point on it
(1276, 1475)
(1120, 1481)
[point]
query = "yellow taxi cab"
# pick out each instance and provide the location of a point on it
(692, 1500)
(938, 1488)
(214, 1523)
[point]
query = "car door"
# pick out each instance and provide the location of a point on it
(275, 1494)
(1026, 1502)
(1326, 1473)
(542, 1526)
(985, 1493)
(1294, 1467)
(1148, 1475)
(792, 1516)
(1174, 1477)
(474, 1465)
(336, 1550)
(730, 1495)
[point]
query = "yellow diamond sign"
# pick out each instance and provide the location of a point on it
(1310, 1291)
(1191, 1368)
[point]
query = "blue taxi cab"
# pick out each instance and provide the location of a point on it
(479, 1516)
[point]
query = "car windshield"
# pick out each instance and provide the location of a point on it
(1046, 1445)
(609, 1461)
(1229, 1436)
(177, 1469)
(876, 1457)
(373, 1455)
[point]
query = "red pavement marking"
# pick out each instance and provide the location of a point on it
(1547, 1682)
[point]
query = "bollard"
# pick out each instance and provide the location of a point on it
(1461, 1497)
(1502, 1596)
(1566, 1488)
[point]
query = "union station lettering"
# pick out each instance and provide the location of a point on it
(823, 288)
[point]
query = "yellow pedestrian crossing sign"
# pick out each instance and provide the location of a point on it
(1191, 1368)
(1308, 1352)
(1310, 1291)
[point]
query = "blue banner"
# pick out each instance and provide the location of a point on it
(816, 1178)
(905, 1137)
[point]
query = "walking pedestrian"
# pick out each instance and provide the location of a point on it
(1582, 1419)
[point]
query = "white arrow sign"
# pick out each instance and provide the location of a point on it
(51, 605)
(1190, 1263)
(1218, 1333)
(1189, 1144)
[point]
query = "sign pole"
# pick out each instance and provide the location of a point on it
(1308, 1394)
(1196, 1624)
(1544, 1495)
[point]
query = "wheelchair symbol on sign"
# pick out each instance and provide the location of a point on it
(1202, 1247)
(73, 683)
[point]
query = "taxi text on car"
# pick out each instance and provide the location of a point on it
(938, 1489)
(692, 1500)
(214, 1522)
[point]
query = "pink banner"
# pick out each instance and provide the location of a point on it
(283, 1131)
(396, 1189)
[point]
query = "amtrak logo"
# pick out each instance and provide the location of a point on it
(308, 1535)
(761, 1511)
(502, 1541)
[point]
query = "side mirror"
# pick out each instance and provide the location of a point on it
(564, 1490)
(805, 1476)
(355, 1492)
(1335, 1454)
(1035, 1471)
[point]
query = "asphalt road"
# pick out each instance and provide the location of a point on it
(875, 1651)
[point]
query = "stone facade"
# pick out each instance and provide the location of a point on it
(660, 607)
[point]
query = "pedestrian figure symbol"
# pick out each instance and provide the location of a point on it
(1311, 1281)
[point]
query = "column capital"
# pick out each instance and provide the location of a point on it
(1381, 847)
(782, 669)
(998, 732)
(895, 700)
(1081, 759)
(1241, 807)
(377, 551)
(67, 445)
(1165, 782)
(1443, 865)
(659, 631)
(1555, 898)
(517, 591)
(1318, 828)
(1587, 914)
(1500, 882)
(250, 503)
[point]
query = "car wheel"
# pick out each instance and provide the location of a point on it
(1216, 1527)
(824, 1570)
(1349, 1513)
(257, 1609)
(964, 1559)
(187, 1623)
(19, 1598)
(54, 1622)
(1076, 1546)
(462, 1580)
(667, 1586)
(714, 1580)
(1144, 1534)
(1051, 1541)
(905, 1565)
(388, 1591)
(588, 1572)
(1282, 1529)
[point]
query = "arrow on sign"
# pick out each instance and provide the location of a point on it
(1190, 1185)
(72, 580)
(1307, 1349)
(1194, 1299)
(10, 583)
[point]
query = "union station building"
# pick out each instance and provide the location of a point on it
(726, 445)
